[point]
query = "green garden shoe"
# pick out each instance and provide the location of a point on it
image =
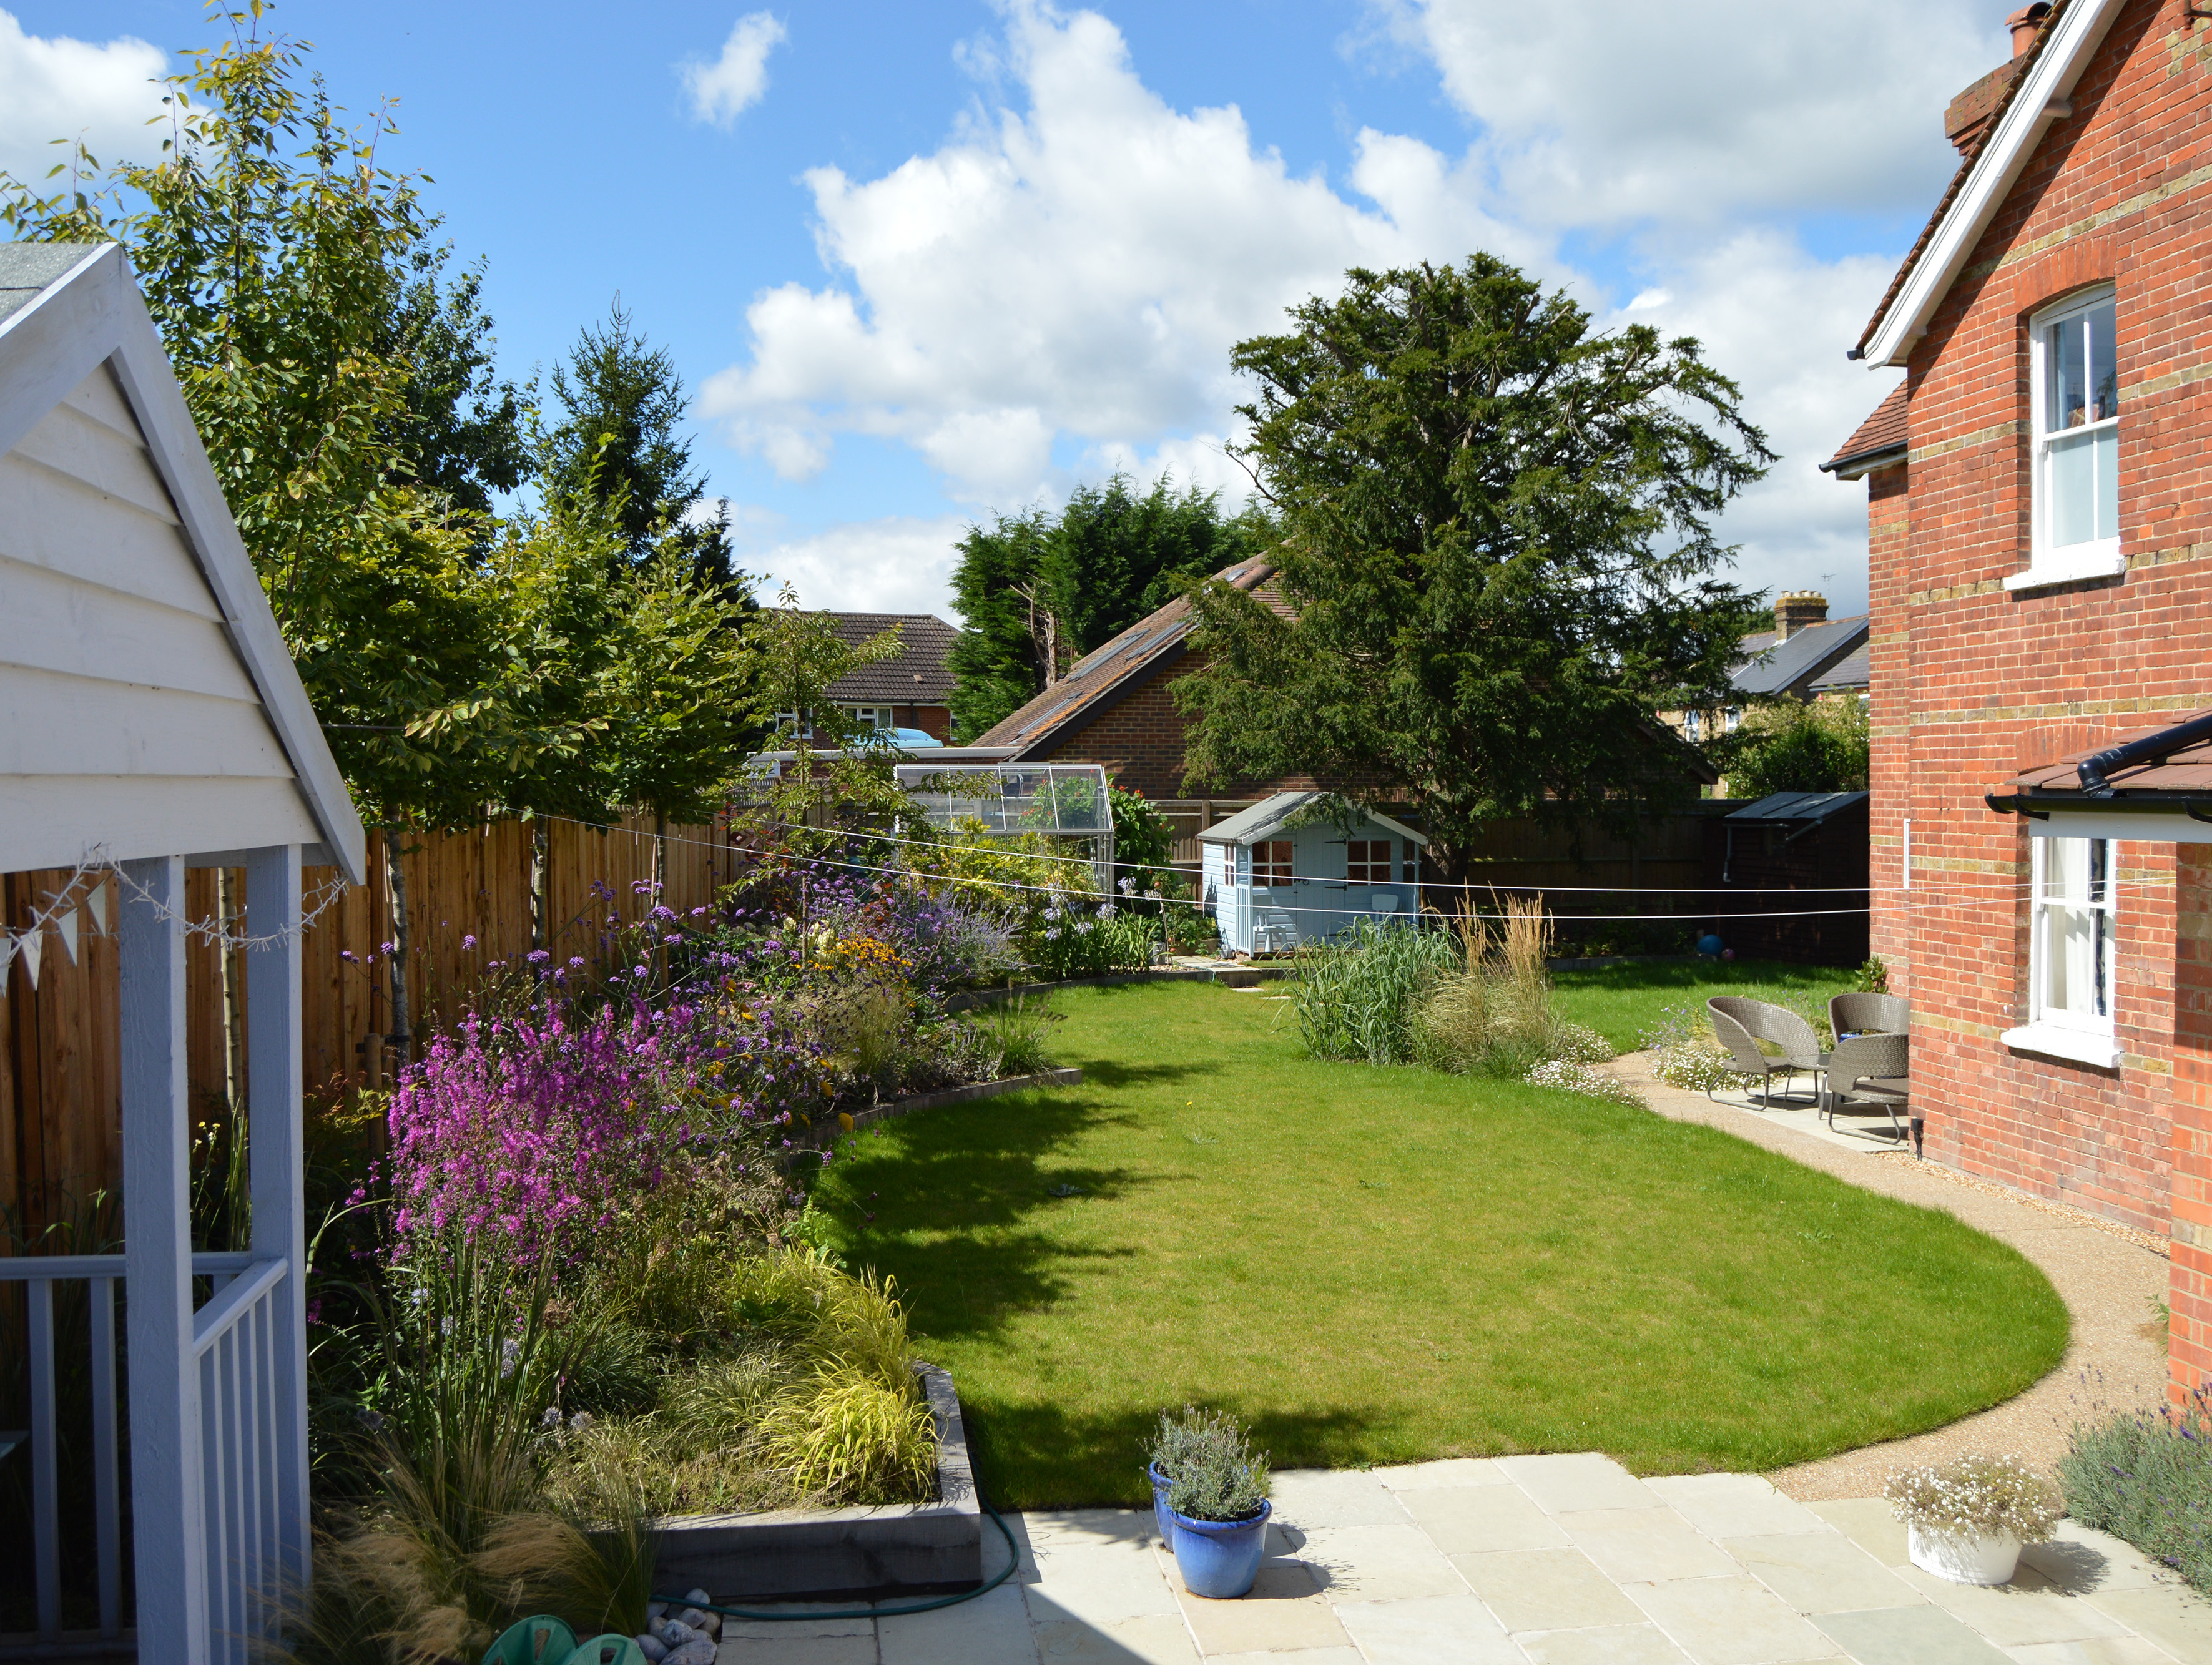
(540, 1639)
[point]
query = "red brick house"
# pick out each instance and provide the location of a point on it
(2040, 559)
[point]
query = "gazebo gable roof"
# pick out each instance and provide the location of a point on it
(62, 320)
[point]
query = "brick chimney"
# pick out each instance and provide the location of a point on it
(1969, 113)
(1796, 609)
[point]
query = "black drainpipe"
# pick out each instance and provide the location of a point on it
(2151, 748)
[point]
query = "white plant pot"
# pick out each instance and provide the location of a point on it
(1964, 1558)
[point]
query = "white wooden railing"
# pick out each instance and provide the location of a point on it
(233, 1337)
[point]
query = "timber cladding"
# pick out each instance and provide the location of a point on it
(59, 1116)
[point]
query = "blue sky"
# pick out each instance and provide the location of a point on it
(923, 262)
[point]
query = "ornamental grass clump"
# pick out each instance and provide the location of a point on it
(1492, 1015)
(1356, 996)
(1976, 1496)
(1213, 1473)
(2146, 1476)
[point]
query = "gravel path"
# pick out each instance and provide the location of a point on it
(2106, 1274)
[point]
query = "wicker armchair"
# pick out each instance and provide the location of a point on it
(1875, 1070)
(1869, 1014)
(1741, 1025)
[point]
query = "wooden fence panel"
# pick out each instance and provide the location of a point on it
(468, 904)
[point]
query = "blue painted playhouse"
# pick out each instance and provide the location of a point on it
(1302, 865)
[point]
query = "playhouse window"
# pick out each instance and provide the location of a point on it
(2077, 426)
(1368, 861)
(1271, 862)
(2070, 941)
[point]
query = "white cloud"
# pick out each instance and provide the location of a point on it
(1052, 293)
(732, 83)
(55, 88)
(901, 564)
(1610, 115)
(1078, 267)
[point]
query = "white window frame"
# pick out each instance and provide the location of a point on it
(2097, 557)
(2083, 1037)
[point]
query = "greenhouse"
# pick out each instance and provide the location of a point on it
(1013, 800)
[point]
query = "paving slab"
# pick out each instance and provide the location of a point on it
(1821, 1572)
(1477, 1520)
(1730, 1621)
(857, 1649)
(1143, 1641)
(1871, 1524)
(1379, 1564)
(1284, 1612)
(992, 1630)
(2174, 1617)
(1099, 1583)
(1637, 1546)
(1735, 1505)
(2081, 1559)
(1435, 1630)
(2010, 1616)
(1607, 1644)
(1547, 1590)
(1444, 1472)
(1342, 1497)
(1578, 1480)
(2115, 1650)
(1924, 1635)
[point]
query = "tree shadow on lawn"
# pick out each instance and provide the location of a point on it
(1036, 1455)
(958, 1195)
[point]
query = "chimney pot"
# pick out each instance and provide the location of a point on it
(2024, 23)
(1796, 609)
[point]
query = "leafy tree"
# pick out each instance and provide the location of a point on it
(462, 434)
(620, 443)
(1039, 591)
(1498, 547)
(996, 664)
(1793, 746)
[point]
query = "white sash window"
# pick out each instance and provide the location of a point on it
(2071, 960)
(2075, 421)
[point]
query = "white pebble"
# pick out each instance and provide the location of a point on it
(651, 1647)
(699, 1650)
(706, 1624)
(697, 1596)
(675, 1633)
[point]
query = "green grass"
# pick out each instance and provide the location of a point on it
(1382, 1265)
(1623, 1002)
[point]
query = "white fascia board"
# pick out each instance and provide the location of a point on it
(2146, 826)
(2081, 26)
(142, 364)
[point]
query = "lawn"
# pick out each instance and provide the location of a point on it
(1388, 1265)
(1624, 1003)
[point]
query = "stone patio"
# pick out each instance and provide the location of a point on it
(1544, 1560)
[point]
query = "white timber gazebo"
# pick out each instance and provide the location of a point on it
(150, 721)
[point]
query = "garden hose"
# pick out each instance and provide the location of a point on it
(1013, 1560)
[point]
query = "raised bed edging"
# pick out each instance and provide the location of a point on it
(797, 1554)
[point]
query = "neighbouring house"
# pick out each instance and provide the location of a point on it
(1303, 867)
(154, 723)
(2040, 559)
(1810, 841)
(911, 690)
(1799, 658)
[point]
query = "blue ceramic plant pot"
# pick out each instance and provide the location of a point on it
(1219, 1558)
(1163, 1516)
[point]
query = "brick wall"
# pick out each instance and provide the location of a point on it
(1140, 742)
(1971, 682)
(2190, 1356)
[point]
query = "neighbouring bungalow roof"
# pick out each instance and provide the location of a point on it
(919, 675)
(1809, 653)
(2037, 94)
(1798, 807)
(1854, 670)
(1879, 440)
(1270, 815)
(1102, 677)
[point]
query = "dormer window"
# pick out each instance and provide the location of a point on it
(2074, 401)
